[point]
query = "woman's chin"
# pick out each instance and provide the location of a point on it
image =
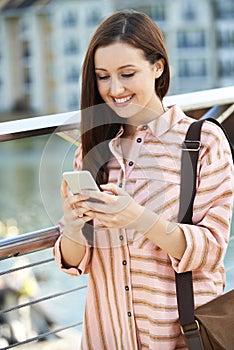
(126, 112)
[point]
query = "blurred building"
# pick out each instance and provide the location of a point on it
(42, 44)
(199, 37)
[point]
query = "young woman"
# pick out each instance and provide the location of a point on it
(128, 240)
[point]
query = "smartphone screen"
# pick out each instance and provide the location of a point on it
(80, 180)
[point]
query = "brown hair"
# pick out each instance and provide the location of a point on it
(100, 124)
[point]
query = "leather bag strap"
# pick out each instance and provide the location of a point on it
(184, 283)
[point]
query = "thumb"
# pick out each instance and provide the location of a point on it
(113, 189)
(64, 189)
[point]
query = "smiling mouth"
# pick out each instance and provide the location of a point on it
(122, 100)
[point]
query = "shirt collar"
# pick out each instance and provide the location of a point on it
(161, 124)
(166, 121)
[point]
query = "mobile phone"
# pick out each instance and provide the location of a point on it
(80, 180)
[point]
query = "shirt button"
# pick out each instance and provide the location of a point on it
(139, 139)
(121, 237)
(120, 184)
(124, 262)
(130, 163)
(127, 288)
(129, 314)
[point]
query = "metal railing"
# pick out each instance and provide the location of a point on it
(217, 103)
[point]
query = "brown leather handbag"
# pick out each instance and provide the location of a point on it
(210, 326)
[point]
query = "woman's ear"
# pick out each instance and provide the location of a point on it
(159, 68)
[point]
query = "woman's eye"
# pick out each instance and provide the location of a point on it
(102, 77)
(128, 75)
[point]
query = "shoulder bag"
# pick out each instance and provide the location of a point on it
(210, 326)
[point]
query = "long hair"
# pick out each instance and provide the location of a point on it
(99, 123)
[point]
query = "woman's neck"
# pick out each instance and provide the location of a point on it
(129, 131)
(145, 116)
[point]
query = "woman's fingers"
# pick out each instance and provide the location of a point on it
(112, 200)
(80, 212)
(76, 199)
(108, 196)
(106, 202)
(64, 189)
(113, 189)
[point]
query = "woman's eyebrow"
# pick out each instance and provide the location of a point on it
(101, 69)
(122, 67)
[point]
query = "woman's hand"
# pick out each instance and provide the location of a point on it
(74, 214)
(113, 207)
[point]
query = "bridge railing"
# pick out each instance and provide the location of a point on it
(217, 103)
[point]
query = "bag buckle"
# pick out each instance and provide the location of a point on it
(190, 327)
(191, 146)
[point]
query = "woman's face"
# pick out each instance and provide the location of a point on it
(126, 81)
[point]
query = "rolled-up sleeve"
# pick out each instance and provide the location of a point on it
(208, 237)
(82, 268)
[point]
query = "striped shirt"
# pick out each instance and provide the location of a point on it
(131, 298)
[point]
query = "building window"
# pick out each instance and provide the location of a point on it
(71, 47)
(189, 10)
(73, 101)
(27, 76)
(94, 17)
(70, 19)
(225, 38)
(192, 68)
(226, 68)
(191, 39)
(158, 12)
(24, 25)
(72, 75)
(224, 9)
(26, 50)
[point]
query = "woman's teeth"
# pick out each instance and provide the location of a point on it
(122, 99)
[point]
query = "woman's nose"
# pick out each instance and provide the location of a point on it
(116, 87)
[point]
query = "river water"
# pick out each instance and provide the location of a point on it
(30, 177)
